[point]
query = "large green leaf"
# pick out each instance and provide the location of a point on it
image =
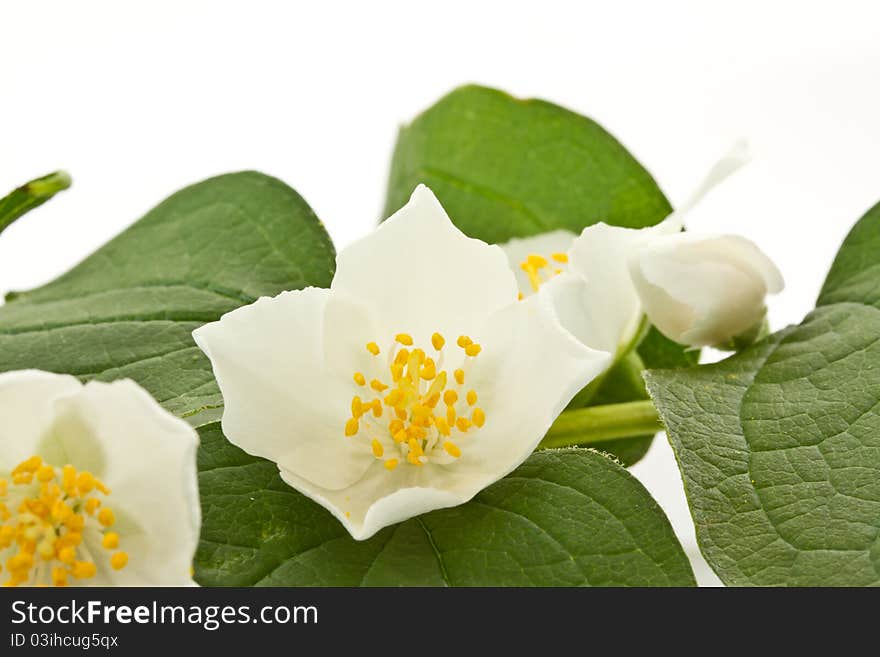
(564, 518)
(779, 446)
(129, 310)
(505, 167)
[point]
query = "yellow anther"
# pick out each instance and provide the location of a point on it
(416, 432)
(357, 407)
(92, 505)
(394, 426)
(450, 415)
(378, 450)
(45, 474)
(85, 481)
(530, 266)
(463, 424)
(459, 377)
(31, 465)
(536, 261)
(378, 386)
(352, 427)
(83, 570)
(400, 413)
(394, 397)
(390, 464)
(519, 296)
(438, 384)
(473, 349)
(452, 449)
(478, 417)
(68, 478)
(76, 522)
(471, 397)
(401, 436)
(402, 357)
(404, 339)
(46, 549)
(377, 408)
(442, 426)
(67, 555)
(559, 257)
(432, 399)
(59, 576)
(450, 397)
(360, 379)
(110, 540)
(373, 348)
(437, 341)
(420, 411)
(463, 341)
(396, 372)
(21, 478)
(106, 517)
(429, 370)
(70, 539)
(118, 560)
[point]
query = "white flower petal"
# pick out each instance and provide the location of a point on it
(282, 402)
(531, 367)
(600, 257)
(421, 274)
(149, 464)
(728, 164)
(543, 244)
(379, 499)
(27, 400)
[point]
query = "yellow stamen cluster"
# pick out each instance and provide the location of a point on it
(534, 266)
(412, 409)
(44, 513)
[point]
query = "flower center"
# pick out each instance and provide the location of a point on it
(539, 269)
(45, 514)
(416, 411)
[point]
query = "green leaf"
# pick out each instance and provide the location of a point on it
(31, 195)
(564, 518)
(779, 446)
(130, 308)
(855, 273)
(505, 167)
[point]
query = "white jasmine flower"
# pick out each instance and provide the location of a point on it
(97, 485)
(623, 278)
(414, 382)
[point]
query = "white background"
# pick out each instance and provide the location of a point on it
(138, 99)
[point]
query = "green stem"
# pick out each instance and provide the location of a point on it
(599, 423)
(31, 195)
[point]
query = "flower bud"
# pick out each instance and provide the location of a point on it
(703, 290)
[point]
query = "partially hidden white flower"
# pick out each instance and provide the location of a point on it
(697, 290)
(703, 290)
(98, 485)
(414, 382)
